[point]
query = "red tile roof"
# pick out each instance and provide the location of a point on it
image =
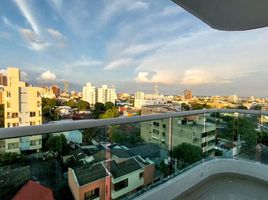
(34, 191)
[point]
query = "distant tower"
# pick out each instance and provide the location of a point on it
(156, 90)
(66, 86)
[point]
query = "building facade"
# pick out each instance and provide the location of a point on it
(188, 94)
(22, 108)
(101, 95)
(89, 94)
(192, 129)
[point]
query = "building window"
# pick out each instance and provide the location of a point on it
(8, 115)
(92, 194)
(32, 114)
(156, 131)
(8, 94)
(141, 175)
(155, 123)
(164, 134)
(32, 123)
(13, 145)
(15, 115)
(38, 104)
(15, 124)
(8, 124)
(8, 105)
(38, 94)
(120, 185)
(164, 125)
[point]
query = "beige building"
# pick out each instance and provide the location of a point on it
(22, 108)
(192, 129)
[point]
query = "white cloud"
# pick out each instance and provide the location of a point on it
(4, 35)
(209, 57)
(32, 38)
(48, 76)
(115, 64)
(27, 13)
(172, 10)
(116, 7)
(145, 77)
(57, 37)
(84, 62)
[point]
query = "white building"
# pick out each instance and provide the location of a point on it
(142, 99)
(89, 94)
(105, 94)
(22, 108)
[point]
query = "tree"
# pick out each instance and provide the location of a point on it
(197, 106)
(242, 107)
(111, 113)
(187, 153)
(109, 105)
(99, 109)
(185, 106)
(10, 158)
(71, 103)
(48, 106)
(83, 105)
(57, 143)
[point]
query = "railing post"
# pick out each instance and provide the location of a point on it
(170, 133)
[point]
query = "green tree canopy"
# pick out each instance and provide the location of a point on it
(111, 113)
(185, 106)
(187, 153)
(109, 105)
(72, 103)
(83, 105)
(99, 109)
(57, 143)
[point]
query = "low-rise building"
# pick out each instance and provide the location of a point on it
(110, 179)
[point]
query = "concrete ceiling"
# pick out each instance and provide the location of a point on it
(229, 15)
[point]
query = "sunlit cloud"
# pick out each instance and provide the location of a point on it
(48, 76)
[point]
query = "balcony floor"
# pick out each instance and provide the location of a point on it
(228, 187)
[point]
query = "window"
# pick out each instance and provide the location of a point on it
(156, 131)
(155, 123)
(32, 114)
(92, 194)
(120, 185)
(141, 175)
(32, 142)
(8, 94)
(8, 115)
(38, 104)
(164, 125)
(32, 123)
(8, 105)
(13, 145)
(15, 115)
(38, 94)
(164, 134)
(15, 124)
(8, 124)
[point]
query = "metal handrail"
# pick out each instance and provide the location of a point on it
(6, 133)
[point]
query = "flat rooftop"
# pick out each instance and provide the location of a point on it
(228, 187)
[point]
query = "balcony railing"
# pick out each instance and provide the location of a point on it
(92, 153)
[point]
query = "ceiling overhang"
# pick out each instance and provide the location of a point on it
(229, 15)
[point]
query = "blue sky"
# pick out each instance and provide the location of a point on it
(130, 44)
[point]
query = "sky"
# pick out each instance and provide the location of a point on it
(131, 45)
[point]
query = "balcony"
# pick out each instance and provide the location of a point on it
(117, 158)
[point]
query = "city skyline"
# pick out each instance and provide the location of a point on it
(134, 45)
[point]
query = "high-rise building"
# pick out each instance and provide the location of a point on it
(3, 79)
(89, 94)
(56, 90)
(105, 94)
(188, 94)
(22, 108)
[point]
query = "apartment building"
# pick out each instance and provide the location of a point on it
(102, 95)
(89, 94)
(110, 179)
(105, 94)
(191, 129)
(22, 108)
